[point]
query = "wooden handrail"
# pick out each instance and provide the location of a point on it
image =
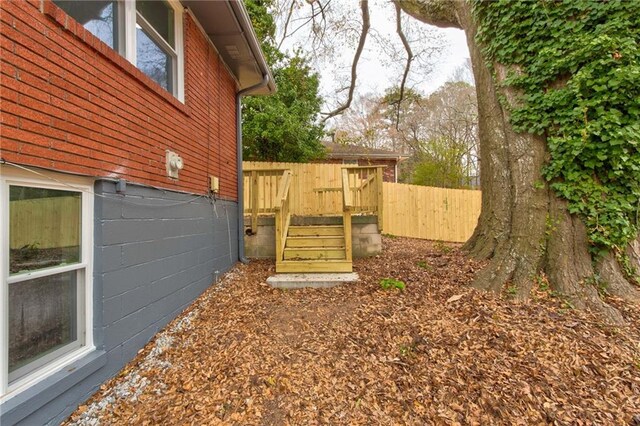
(367, 181)
(347, 199)
(347, 205)
(283, 216)
(283, 189)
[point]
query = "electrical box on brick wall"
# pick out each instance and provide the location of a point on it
(174, 164)
(214, 184)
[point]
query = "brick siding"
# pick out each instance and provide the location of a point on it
(72, 104)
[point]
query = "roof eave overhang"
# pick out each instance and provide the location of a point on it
(228, 26)
(367, 156)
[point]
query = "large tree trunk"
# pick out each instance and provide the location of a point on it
(524, 228)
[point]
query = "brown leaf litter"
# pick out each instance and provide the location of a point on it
(438, 352)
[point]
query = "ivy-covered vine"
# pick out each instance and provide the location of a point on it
(576, 64)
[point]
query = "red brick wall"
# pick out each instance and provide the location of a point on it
(388, 173)
(70, 103)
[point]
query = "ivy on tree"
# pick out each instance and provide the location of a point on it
(581, 89)
(283, 126)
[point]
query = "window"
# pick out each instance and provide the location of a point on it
(148, 33)
(99, 17)
(45, 292)
(155, 41)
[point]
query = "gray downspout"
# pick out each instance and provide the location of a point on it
(263, 83)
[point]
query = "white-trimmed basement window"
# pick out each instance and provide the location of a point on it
(46, 268)
(148, 33)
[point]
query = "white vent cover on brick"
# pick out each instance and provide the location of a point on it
(174, 164)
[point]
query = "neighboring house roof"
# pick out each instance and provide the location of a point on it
(228, 25)
(338, 150)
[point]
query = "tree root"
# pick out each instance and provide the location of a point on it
(633, 251)
(614, 281)
(567, 263)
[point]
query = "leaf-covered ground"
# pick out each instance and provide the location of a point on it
(436, 353)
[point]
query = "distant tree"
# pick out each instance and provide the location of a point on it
(438, 132)
(440, 165)
(362, 124)
(283, 126)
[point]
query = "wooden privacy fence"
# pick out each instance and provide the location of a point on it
(430, 213)
(45, 222)
(406, 210)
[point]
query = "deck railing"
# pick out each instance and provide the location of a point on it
(260, 191)
(283, 213)
(362, 187)
(347, 206)
(313, 195)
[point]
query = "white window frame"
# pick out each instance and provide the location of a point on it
(127, 19)
(132, 18)
(48, 180)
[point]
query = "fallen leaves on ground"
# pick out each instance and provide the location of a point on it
(438, 352)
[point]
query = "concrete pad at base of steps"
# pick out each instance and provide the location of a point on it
(325, 280)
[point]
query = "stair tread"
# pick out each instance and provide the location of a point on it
(314, 236)
(315, 226)
(314, 261)
(314, 265)
(315, 248)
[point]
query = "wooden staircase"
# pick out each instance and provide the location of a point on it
(316, 248)
(305, 245)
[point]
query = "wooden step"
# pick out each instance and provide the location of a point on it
(317, 230)
(309, 241)
(314, 253)
(302, 266)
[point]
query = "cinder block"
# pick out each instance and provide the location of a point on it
(123, 329)
(107, 259)
(134, 300)
(112, 310)
(370, 228)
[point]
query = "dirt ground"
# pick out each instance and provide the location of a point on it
(436, 352)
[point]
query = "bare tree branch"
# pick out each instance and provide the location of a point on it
(364, 6)
(311, 18)
(407, 67)
(286, 24)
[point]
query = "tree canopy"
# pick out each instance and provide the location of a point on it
(283, 126)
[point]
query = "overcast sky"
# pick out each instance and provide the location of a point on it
(375, 77)
(376, 70)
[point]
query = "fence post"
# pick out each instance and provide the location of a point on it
(379, 179)
(346, 220)
(255, 200)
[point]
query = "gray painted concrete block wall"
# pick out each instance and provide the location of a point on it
(155, 251)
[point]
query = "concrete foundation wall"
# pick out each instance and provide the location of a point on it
(154, 252)
(365, 235)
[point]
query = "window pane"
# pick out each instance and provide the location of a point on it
(160, 16)
(154, 61)
(43, 317)
(97, 16)
(44, 228)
